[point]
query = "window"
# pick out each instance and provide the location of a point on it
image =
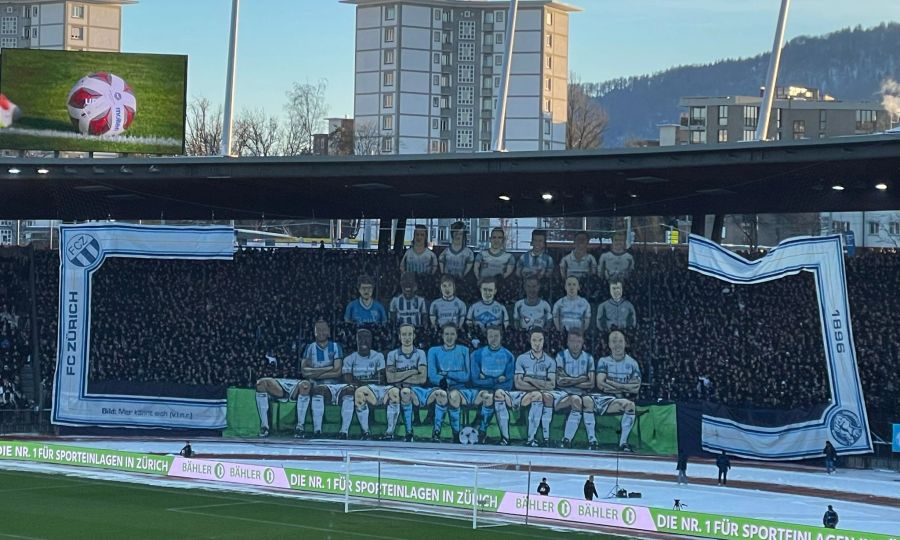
(548, 84)
(865, 120)
(436, 102)
(487, 60)
(698, 137)
(499, 17)
(488, 17)
(436, 58)
(445, 102)
(435, 146)
(390, 13)
(723, 135)
(447, 37)
(488, 39)
(799, 129)
(10, 9)
(485, 146)
(779, 118)
(499, 38)
(823, 119)
(467, 13)
(548, 106)
(486, 83)
(436, 36)
(465, 117)
(387, 144)
(388, 101)
(498, 60)
(445, 145)
(26, 31)
(445, 123)
(8, 43)
(464, 139)
(751, 116)
(389, 34)
(389, 56)
(698, 116)
(723, 115)
(445, 59)
(387, 123)
(750, 135)
(547, 126)
(466, 51)
(548, 62)
(546, 145)
(486, 126)
(486, 104)
(34, 12)
(25, 12)
(548, 18)
(5, 237)
(445, 79)
(894, 229)
(437, 14)
(9, 25)
(447, 16)
(435, 124)
(496, 82)
(466, 73)
(467, 30)
(466, 95)
(34, 32)
(840, 226)
(389, 78)
(874, 227)
(548, 40)
(77, 33)
(435, 80)
(77, 12)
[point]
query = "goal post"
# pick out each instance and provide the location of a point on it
(450, 489)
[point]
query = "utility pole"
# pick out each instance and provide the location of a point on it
(765, 111)
(229, 83)
(500, 118)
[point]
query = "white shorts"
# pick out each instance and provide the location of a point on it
(334, 389)
(516, 397)
(287, 386)
(380, 391)
(559, 395)
(601, 402)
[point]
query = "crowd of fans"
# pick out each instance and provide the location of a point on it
(14, 327)
(696, 338)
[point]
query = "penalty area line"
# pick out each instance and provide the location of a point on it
(283, 524)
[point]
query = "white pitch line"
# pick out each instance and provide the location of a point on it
(180, 508)
(5, 535)
(37, 488)
(292, 525)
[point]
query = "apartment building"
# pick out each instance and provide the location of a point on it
(797, 113)
(83, 25)
(429, 74)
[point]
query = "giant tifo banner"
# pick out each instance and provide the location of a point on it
(844, 420)
(561, 509)
(83, 248)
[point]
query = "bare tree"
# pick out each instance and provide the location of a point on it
(587, 120)
(366, 138)
(306, 109)
(204, 129)
(257, 134)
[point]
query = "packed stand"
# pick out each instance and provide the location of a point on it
(696, 338)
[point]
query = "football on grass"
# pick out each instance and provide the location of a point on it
(101, 104)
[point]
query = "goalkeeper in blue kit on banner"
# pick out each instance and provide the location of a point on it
(448, 375)
(493, 368)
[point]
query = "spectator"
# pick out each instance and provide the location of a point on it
(830, 519)
(724, 465)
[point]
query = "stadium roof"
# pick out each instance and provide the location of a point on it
(735, 178)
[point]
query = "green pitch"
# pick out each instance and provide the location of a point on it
(44, 506)
(39, 82)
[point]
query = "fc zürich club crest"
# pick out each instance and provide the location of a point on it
(83, 250)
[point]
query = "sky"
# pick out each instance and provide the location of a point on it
(285, 41)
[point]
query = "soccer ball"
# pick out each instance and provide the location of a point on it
(468, 435)
(9, 112)
(101, 104)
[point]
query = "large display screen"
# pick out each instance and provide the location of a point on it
(92, 101)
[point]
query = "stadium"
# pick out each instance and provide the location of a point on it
(382, 392)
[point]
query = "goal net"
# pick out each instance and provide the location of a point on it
(449, 489)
